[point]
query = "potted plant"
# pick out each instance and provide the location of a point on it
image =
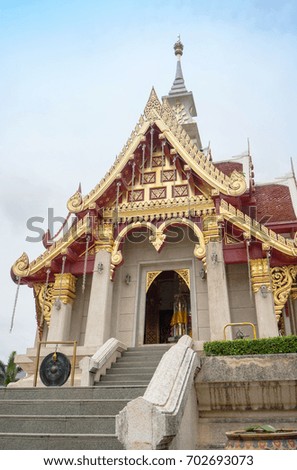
(262, 437)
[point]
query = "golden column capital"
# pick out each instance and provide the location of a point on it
(260, 274)
(103, 245)
(105, 237)
(64, 287)
(211, 228)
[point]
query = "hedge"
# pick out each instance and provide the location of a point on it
(240, 347)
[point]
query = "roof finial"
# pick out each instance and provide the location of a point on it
(178, 84)
(178, 47)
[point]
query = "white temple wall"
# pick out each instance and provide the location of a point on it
(80, 311)
(242, 304)
(129, 299)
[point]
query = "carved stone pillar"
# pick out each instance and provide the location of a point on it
(63, 296)
(218, 300)
(99, 313)
(261, 286)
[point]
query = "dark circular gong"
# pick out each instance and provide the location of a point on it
(55, 369)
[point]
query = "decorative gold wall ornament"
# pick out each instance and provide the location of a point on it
(43, 301)
(150, 277)
(211, 229)
(21, 266)
(152, 105)
(257, 230)
(282, 279)
(185, 275)
(260, 274)
(64, 287)
(75, 202)
(164, 209)
(157, 239)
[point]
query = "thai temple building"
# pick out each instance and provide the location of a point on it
(169, 243)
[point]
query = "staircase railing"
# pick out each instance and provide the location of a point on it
(93, 367)
(168, 406)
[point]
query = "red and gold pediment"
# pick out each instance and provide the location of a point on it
(159, 161)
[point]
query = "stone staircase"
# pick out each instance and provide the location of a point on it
(76, 417)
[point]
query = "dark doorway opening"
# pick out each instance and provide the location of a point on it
(168, 312)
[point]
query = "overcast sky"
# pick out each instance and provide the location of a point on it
(75, 76)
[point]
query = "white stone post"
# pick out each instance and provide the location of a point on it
(64, 293)
(261, 285)
(218, 299)
(266, 318)
(98, 328)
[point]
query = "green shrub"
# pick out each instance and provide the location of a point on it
(240, 347)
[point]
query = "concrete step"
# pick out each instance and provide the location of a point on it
(18, 441)
(62, 407)
(130, 370)
(118, 383)
(150, 347)
(57, 424)
(81, 418)
(71, 393)
(135, 364)
(126, 378)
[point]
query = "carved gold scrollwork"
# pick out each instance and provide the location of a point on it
(282, 280)
(157, 239)
(150, 277)
(185, 275)
(21, 266)
(152, 105)
(75, 203)
(116, 260)
(43, 304)
(237, 183)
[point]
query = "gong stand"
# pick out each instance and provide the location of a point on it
(55, 367)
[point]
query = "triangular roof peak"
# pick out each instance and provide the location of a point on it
(164, 118)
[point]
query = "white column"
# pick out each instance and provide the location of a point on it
(60, 323)
(218, 300)
(64, 293)
(266, 318)
(261, 285)
(98, 328)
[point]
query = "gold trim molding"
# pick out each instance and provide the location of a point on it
(64, 287)
(253, 228)
(260, 274)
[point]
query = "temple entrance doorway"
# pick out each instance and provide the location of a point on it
(168, 309)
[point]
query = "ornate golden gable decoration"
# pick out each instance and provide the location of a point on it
(164, 118)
